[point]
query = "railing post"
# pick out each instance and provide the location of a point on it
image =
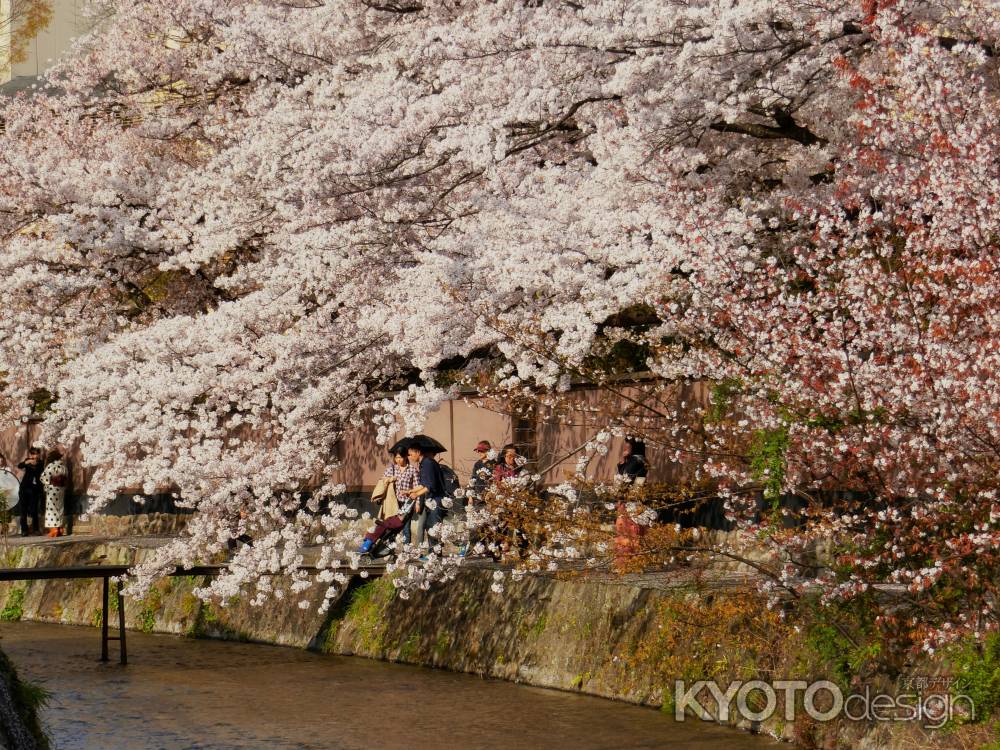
(104, 623)
(121, 624)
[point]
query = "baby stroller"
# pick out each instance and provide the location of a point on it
(380, 543)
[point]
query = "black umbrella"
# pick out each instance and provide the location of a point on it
(401, 445)
(427, 444)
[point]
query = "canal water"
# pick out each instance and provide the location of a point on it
(183, 694)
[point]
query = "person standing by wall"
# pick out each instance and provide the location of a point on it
(482, 470)
(508, 466)
(479, 482)
(633, 468)
(632, 472)
(54, 482)
(401, 477)
(31, 493)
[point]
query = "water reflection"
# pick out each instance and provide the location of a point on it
(183, 694)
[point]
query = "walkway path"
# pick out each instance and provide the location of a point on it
(677, 578)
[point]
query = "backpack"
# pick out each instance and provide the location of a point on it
(449, 479)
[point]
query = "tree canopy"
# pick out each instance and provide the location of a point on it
(229, 227)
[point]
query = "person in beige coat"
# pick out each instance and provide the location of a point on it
(394, 492)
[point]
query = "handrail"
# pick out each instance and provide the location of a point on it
(107, 572)
(113, 571)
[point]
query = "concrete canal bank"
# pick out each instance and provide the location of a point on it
(627, 640)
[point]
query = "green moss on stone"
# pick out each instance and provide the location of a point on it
(13, 609)
(151, 605)
(408, 649)
(538, 627)
(442, 645)
(365, 613)
(28, 700)
(209, 622)
(977, 667)
(13, 558)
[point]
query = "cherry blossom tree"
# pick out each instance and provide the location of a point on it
(229, 228)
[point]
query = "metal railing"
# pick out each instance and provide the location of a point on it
(107, 572)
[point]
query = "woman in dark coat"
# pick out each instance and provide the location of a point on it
(632, 468)
(32, 494)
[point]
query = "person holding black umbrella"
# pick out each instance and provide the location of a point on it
(429, 491)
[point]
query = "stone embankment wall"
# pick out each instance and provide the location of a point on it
(627, 642)
(20, 728)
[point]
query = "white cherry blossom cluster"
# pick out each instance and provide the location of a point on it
(232, 231)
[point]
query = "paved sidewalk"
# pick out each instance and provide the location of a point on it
(148, 542)
(674, 579)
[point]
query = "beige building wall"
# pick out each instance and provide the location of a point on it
(563, 430)
(68, 22)
(559, 434)
(456, 424)
(460, 424)
(475, 422)
(362, 459)
(4, 41)
(14, 444)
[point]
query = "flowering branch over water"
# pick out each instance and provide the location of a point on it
(228, 228)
